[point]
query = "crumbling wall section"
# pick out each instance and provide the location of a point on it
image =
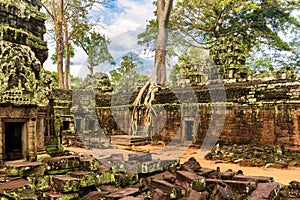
(256, 112)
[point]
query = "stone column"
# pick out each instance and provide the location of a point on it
(40, 131)
(32, 149)
(1, 143)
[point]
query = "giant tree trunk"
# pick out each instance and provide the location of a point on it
(60, 45)
(67, 80)
(143, 102)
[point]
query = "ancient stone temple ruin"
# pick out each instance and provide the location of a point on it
(24, 85)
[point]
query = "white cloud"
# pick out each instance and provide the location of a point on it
(122, 24)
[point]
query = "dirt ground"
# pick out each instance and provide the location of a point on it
(183, 153)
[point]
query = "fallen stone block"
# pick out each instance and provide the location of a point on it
(140, 157)
(95, 195)
(227, 175)
(266, 191)
(86, 178)
(132, 167)
(59, 196)
(105, 178)
(127, 179)
(174, 191)
(166, 176)
(123, 193)
(191, 164)
(117, 157)
(65, 184)
(118, 166)
(159, 195)
(240, 187)
(222, 193)
(89, 163)
(24, 169)
(40, 183)
(257, 179)
(157, 165)
(205, 172)
(17, 189)
(195, 181)
(194, 195)
(61, 164)
(139, 197)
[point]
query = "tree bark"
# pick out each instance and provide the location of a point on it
(67, 80)
(159, 75)
(60, 45)
(91, 68)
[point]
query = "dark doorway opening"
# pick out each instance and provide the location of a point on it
(13, 141)
(189, 126)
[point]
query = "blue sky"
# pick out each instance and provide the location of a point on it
(121, 23)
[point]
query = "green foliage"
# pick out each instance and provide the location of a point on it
(95, 46)
(126, 75)
(229, 29)
(54, 55)
(174, 74)
(54, 77)
(260, 63)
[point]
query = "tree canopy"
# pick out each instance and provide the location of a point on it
(229, 29)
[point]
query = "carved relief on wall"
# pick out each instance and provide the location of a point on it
(22, 78)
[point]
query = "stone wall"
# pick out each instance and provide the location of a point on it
(254, 112)
(24, 85)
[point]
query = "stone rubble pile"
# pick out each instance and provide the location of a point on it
(255, 155)
(85, 177)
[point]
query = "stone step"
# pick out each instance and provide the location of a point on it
(65, 184)
(61, 164)
(17, 189)
(24, 169)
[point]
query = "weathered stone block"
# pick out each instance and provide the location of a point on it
(222, 193)
(18, 189)
(24, 169)
(65, 184)
(89, 163)
(86, 178)
(194, 195)
(59, 196)
(40, 183)
(61, 164)
(121, 194)
(127, 179)
(240, 187)
(195, 181)
(266, 191)
(140, 157)
(173, 190)
(95, 195)
(257, 179)
(105, 178)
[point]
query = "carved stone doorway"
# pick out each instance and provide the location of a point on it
(189, 130)
(13, 141)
